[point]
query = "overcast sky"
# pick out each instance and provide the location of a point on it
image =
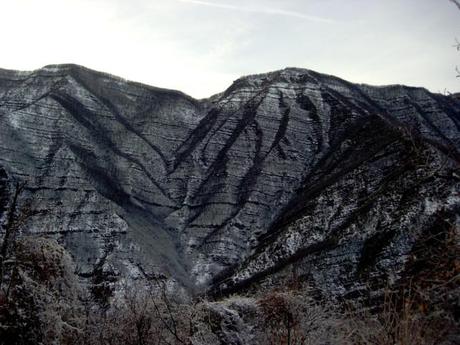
(201, 46)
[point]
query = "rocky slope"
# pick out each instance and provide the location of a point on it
(286, 174)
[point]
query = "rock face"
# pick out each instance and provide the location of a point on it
(290, 173)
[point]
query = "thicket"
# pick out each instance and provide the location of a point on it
(42, 302)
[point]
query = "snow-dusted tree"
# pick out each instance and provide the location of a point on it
(42, 304)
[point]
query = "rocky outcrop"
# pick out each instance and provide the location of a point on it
(286, 173)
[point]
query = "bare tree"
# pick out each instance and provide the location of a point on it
(12, 224)
(457, 42)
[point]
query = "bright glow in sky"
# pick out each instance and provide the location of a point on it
(201, 46)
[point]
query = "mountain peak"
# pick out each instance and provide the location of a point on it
(144, 181)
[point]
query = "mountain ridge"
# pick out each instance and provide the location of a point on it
(213, 193)
(73, 66)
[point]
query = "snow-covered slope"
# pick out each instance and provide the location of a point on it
(289, 172)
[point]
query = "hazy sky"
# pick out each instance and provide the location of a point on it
(201, 46)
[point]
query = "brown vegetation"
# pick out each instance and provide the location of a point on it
(42, 302)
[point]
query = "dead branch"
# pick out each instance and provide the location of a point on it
(13, 222)
(456, 3)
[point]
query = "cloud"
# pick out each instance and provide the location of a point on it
(262, 10)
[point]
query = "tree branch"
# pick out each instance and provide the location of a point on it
(456, 3)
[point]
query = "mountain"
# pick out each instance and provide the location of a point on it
(286, 174)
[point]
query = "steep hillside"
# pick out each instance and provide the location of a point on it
(289, 173)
